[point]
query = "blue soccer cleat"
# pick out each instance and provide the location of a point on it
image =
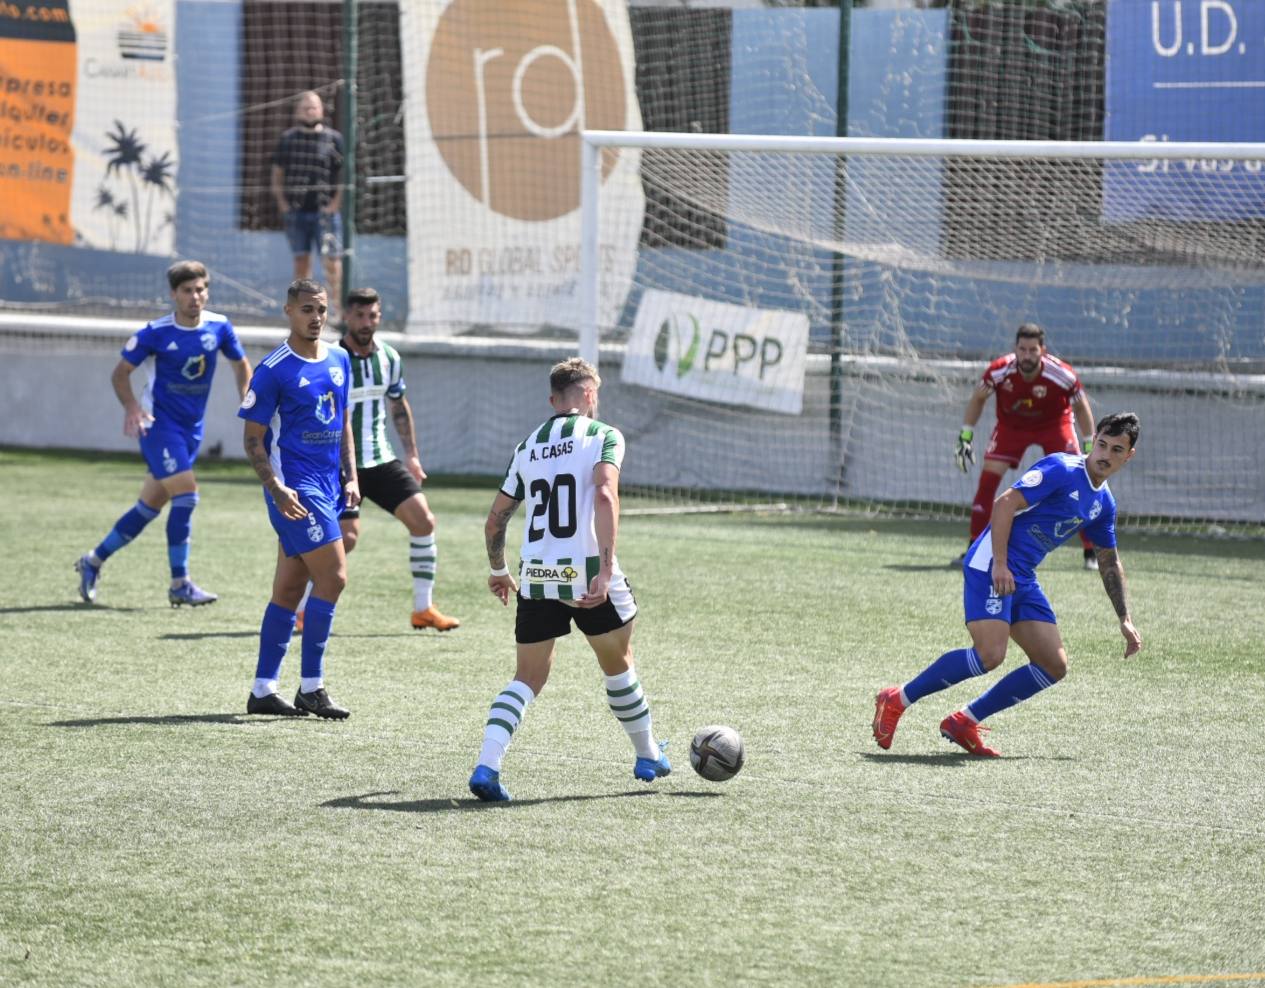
(486, 784)
(649, 769)
(88, 576)
(190, 593)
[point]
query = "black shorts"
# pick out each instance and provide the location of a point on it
(543, 620)
(387, 485)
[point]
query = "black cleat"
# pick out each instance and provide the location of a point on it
(319, 703)
(273, 703)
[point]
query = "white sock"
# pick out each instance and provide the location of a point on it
(904, 700)
(504, 718)
(265, 687)
(421, 557)
(309, 683)
(628, 704)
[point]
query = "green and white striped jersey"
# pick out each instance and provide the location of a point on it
(552, 470)
(374, 379)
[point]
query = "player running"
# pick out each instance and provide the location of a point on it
(569, 469)
(1061, 494)
(1037, 396)
(298, 438)
(179, 352)
(377, 382)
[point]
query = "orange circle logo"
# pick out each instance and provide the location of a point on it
(508, 88)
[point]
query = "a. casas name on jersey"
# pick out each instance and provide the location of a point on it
(553, 450)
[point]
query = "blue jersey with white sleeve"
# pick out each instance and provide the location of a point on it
(303, 403)
(1061, 500)
(180, 363)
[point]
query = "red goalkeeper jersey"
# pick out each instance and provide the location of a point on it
(1031, 406)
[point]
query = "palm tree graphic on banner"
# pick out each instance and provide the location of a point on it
(147, 173)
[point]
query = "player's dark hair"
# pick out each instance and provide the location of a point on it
(572, 371)
(303, 286)
(363, 296)
(1030, 331)
(1120, 424)
(183, 271)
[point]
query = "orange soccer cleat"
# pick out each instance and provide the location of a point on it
(298, 622)
(964, 732)
(887, 711)
(431, 618)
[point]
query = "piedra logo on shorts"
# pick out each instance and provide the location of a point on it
(509, 85)
(538, 573)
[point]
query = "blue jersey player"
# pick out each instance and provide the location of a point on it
(298, 438)
(1060, 496)
(179, 353)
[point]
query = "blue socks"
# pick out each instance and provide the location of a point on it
(125, 529)
(318, 616)
(274, 639)
(179, 525)
(951, 667)
(1012, 688)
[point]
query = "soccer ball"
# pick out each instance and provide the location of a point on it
(717, 752)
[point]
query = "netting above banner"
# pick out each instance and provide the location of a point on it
(850, 251)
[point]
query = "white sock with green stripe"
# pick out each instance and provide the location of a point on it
(503, 720)
(421, 557)
(628, 704)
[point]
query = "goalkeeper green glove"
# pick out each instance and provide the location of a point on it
(965, 453)
(1087, 444)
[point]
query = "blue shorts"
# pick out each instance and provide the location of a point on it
(1027, 603)
(317, 529)
(168, 450)
(319, 233)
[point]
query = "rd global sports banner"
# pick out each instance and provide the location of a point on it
(496, 93)
(87, 123)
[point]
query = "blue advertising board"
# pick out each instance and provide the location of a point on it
(1185, 70)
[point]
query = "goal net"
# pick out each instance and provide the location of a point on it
(808, 316)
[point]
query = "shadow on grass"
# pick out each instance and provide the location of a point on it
(76, 606)
(366, 802)
(192, 636)
(956, 758)
(163, 720)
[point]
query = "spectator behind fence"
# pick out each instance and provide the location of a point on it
(306, 170)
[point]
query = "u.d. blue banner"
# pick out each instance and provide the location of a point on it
(1185, 70)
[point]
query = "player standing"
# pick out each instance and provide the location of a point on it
(1061, 494)
(377, 382)
(298, 438)
(569, 468)
(1037, 396)
(179, 353)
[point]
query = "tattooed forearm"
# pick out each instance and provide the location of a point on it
(494, 535)
(402, 416)
(258, 458)
(1112, 572)
(347, 459)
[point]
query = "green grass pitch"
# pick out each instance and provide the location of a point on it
(151, 833)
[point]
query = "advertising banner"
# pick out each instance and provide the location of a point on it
(732, 354)
(88, 123)
(1185, 70)
(496, 93)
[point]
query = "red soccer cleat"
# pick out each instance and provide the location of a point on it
(964, 732)
(887, 711)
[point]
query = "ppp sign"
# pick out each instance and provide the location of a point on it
(714, 351)
(1185, 70)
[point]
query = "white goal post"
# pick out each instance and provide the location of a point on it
(901, 267)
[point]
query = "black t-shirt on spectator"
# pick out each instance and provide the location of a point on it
(311, 161)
